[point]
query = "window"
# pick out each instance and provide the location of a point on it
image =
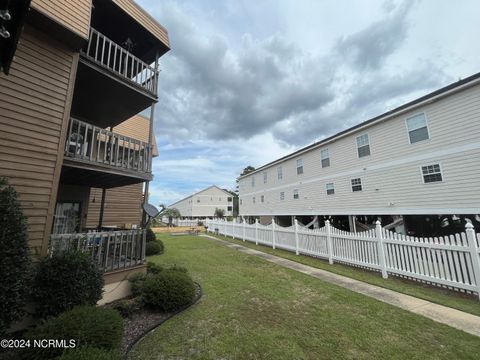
(229, 199)
(229, 208)
(262, 198)
(253, 181)
(282, 196)
(241, 201)
(299, 167)
(265, 177)
(356, 184)
(219, 199)
(363, 145)
(198, 200)
(431, 173)
(325, 158)
(417, 128)
(279, 173)
(295, 194)
(330, 188)
(253, 199)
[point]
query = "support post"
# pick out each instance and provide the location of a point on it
(295, 224)
(329, 242)
(243, 223)
(233, 229)
(102, 209)
(381, 250)
(256, 231)
(150, 156)
(472, 245)
(273, 232)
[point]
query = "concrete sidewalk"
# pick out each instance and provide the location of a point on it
(442, 314)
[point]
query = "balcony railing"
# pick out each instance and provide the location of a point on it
(115, 58)
(110, 251)
(96, 145)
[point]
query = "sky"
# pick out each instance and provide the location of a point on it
(247, 82)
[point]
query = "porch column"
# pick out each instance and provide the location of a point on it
(102, 208)
(150, 140)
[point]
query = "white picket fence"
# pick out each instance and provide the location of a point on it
(450, 261)
(179, 222)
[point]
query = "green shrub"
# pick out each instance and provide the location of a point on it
(150, 235)
(153, 248)
(88, 325)
(90, 353)
(162, 246)
(15, 261)
(136, 283)
(153, 268)
(126, 307)
(168, 290)
(64, 281)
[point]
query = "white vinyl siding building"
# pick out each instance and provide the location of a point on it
(422, 158)
(203, 203)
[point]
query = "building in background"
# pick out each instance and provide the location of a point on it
(416, 168)
(204, 203)
(74, 72)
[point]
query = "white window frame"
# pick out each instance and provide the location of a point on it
(369, 147)
(324, 158)
(262, 198)
(333, 188)
(299, 166)
(426, 125)
(351, 184)
(279, 172)
(253, 180)
(296, 193)
(441, 173)
(265, 177)
(282, 195)
(253, 200)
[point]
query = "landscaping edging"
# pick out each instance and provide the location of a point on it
(198, 296)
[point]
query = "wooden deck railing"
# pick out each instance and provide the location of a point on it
(91, 143)
(114, 57)
(112, 250)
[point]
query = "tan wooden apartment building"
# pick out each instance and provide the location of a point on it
(75, 75)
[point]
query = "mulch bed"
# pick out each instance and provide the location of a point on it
(147, 319)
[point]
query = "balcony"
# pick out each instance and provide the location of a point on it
(112, 84)
(107, 54)
(110, 250)
(98, 157)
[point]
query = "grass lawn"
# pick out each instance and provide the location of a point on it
(253, 309)
(450, 298)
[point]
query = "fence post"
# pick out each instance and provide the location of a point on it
(295, 224)
(472, 244)
(329, 242)
(256, 231)
(381, 250)
(243, 223)
(233, 229)
(273, 233)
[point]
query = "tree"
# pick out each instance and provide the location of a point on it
(15, 262)
(245, 171)
(171, 213)
(219, 213)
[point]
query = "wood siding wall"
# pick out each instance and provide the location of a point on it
(72, 14)
(122, 206)
(34, 109)
(144, 19)
(391, 176)
(137, 127)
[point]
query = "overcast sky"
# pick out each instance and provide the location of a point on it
(247, 82)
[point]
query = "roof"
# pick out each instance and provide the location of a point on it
(198, 192)
(442, 92)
